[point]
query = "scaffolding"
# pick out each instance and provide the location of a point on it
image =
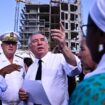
(44, 17)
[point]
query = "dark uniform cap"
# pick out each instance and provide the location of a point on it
(9, 37)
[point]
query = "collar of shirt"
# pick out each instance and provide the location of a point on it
(44, 59)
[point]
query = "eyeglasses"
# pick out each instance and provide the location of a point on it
(84, 28)
(10, 42)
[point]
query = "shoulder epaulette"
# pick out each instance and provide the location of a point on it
(19, 56)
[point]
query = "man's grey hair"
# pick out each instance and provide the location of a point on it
(29, 39)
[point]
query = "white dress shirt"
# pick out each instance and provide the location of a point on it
(14, 80)
(100, 68)
(54, 76)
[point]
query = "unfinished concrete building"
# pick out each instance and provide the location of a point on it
(43, 17)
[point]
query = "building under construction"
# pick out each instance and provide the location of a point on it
(43, 17)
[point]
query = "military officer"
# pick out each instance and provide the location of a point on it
(14, 79)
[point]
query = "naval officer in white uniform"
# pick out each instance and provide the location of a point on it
(14, 80)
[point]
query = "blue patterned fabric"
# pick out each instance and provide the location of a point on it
(90, 91)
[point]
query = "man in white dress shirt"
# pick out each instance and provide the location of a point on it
(55, 67)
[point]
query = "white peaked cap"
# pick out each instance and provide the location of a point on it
(11, 36)
(97, 13)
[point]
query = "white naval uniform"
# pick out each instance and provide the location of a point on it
(14, 80)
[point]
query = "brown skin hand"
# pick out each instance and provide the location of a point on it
(10, 68)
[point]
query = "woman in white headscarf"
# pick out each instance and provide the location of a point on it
(91, 91)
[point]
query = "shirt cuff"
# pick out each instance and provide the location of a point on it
(74, 70)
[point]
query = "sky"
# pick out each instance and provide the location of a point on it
(7, 13)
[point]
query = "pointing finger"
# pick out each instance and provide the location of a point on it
(61, 27)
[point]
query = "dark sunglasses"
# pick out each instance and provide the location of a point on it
(10, 42)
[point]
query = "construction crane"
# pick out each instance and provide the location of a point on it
(17, 12)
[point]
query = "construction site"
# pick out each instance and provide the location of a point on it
(43, 17)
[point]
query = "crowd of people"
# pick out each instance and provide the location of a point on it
(55, 68)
